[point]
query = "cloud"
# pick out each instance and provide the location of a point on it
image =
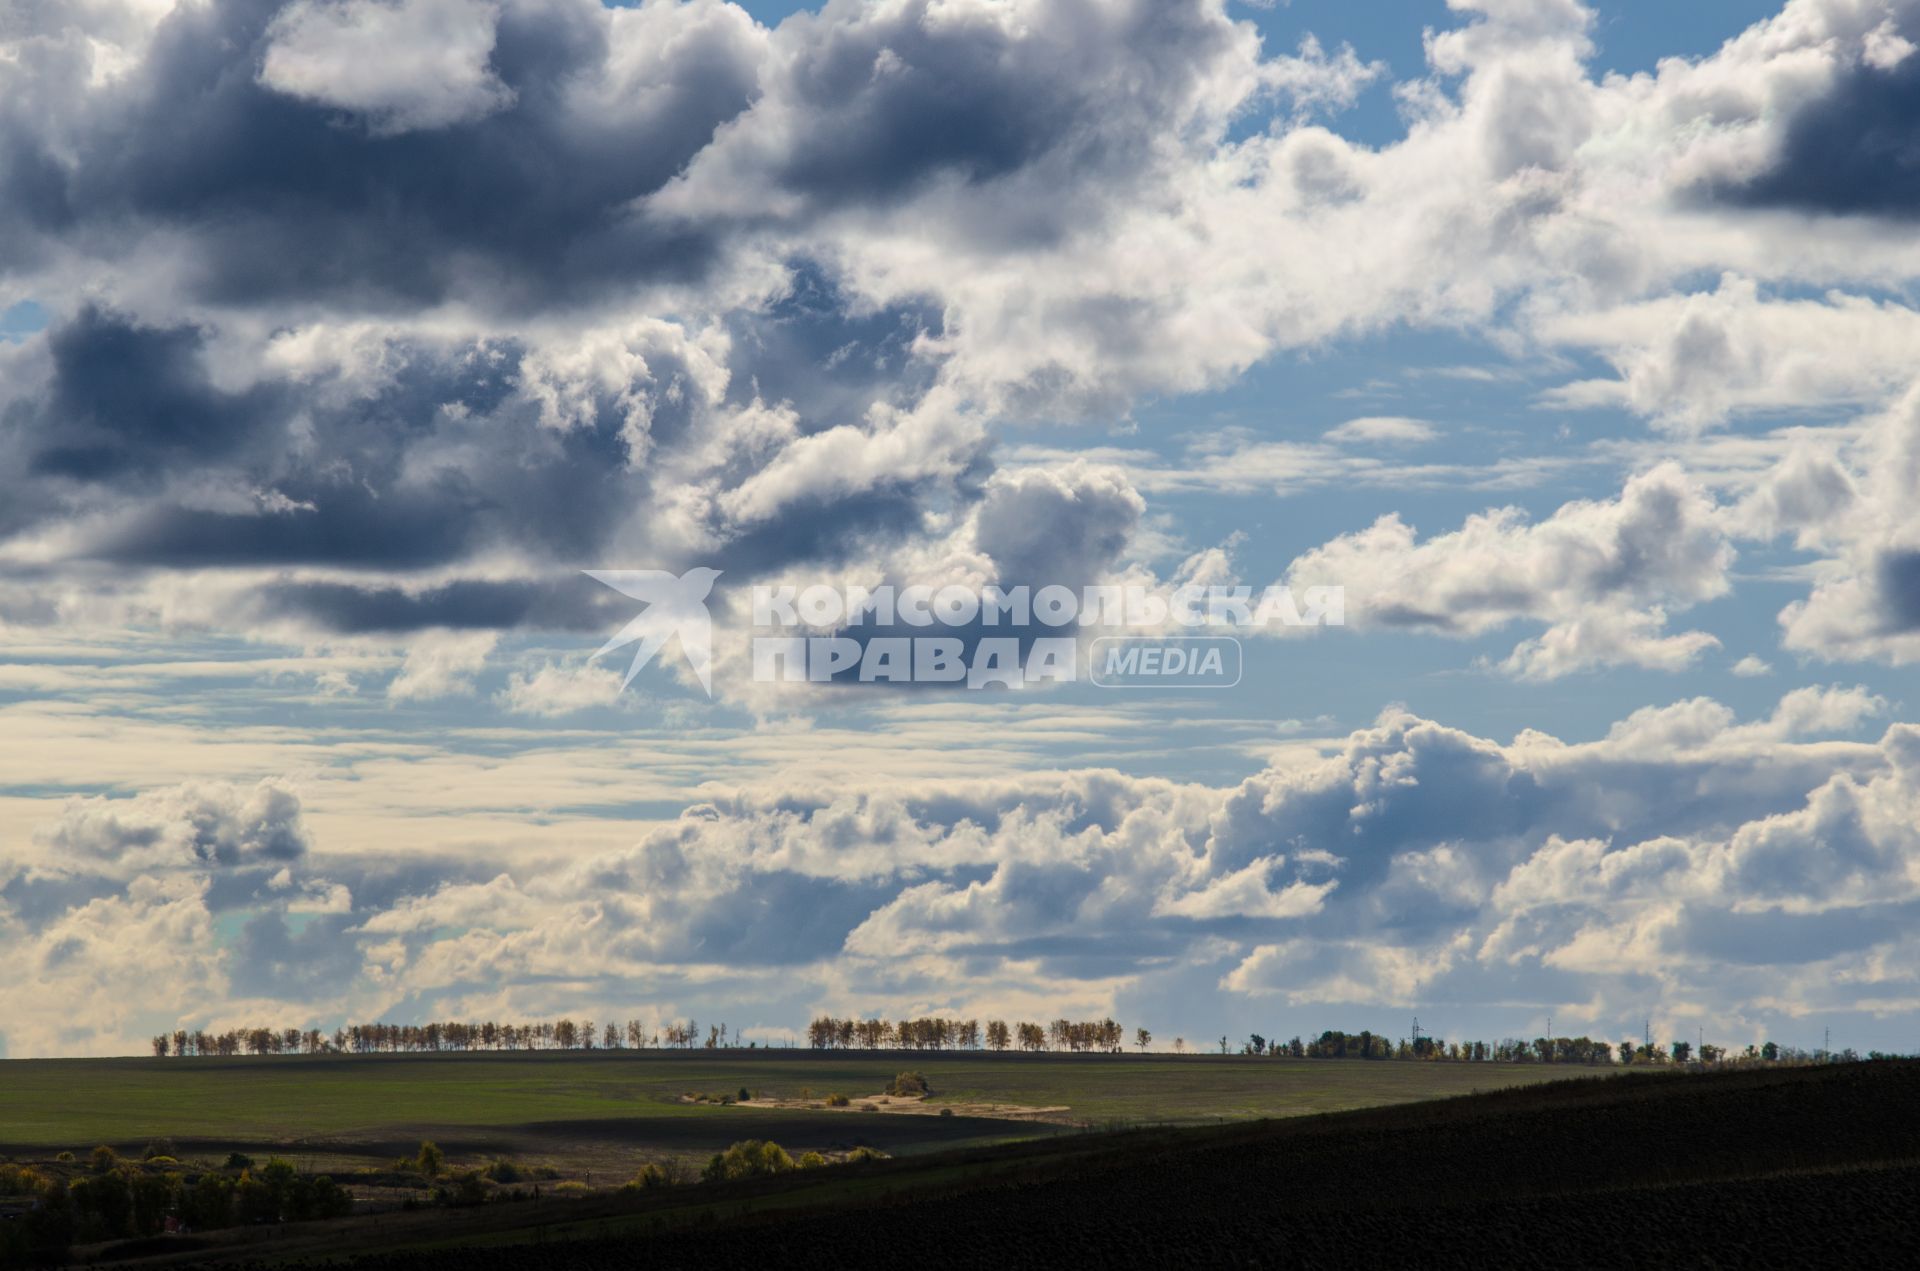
(194, 826)
(1392, 429)
(1601, 574)
(401, 65)
(1408, 860)
(1690, 361)
(1847, 151)
(440, 664)
(555, 690)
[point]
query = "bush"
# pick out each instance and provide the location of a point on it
(743, 1096)
(65, 1158)
(572, 1187)
(504, 1172)
(908, 1085)
(430, 1160)
(811, 1160)
(861, 1154)
(463, 1188)
(162, 1160)
(161, 1147)
(21, 1180)
(102, 1159)
(946, 1112)
(238, 1160)
(838, 1101)
(750, 1159)
(650, 1176)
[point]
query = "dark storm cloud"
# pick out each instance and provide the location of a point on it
(572, 604)
(1899, 586)
(870, 112)
(127, 398)
(817, 350)
(593, 152)
(445, 454)
(781, 919)
(543, 196)
(1854, 151)
(272, 960)
(290, 199)
(129, 406)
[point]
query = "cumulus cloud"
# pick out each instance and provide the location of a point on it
(405, 65)
(375, 320)
(1601, 574)
(196, 826)
(1409, 860)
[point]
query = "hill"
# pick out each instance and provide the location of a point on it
(1781, 1167)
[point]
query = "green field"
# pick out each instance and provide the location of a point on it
(594, 1112)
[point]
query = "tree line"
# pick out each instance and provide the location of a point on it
(1514, 1050)
(1079, 1036)
(1102, 1036)
(370, 1039)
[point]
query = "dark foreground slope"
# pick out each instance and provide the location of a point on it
(1796, 1167)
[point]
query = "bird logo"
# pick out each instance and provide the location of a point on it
(676, 606)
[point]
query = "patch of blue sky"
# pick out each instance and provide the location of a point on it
(23, 319)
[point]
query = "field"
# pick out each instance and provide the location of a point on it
(1783, 1167)
(595, 1115)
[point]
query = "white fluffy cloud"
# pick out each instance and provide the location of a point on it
(1601, 574)
(399, 64)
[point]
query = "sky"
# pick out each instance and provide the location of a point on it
(1573, 342)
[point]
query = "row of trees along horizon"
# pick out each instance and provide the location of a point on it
(1103, 1036)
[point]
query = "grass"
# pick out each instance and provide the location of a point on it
(1790, 1166)
(556, 1104)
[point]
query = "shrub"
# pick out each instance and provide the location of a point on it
(161, 1147)
(20, 1180)
(908, 1085)
(572, 1187)
(162, 1160)
(463, 1188)
(749, 1159)
(102, 1159)
(238, 1160)
(838, 1101)
(946, 1112)
(649, 1176)
(431, 1160)
(860, 1154)
(743, 1096)
(504, 1172)
(65, 1158)
(811, 1160)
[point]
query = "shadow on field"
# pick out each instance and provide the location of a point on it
(797, 1131)
(1779, 1167)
